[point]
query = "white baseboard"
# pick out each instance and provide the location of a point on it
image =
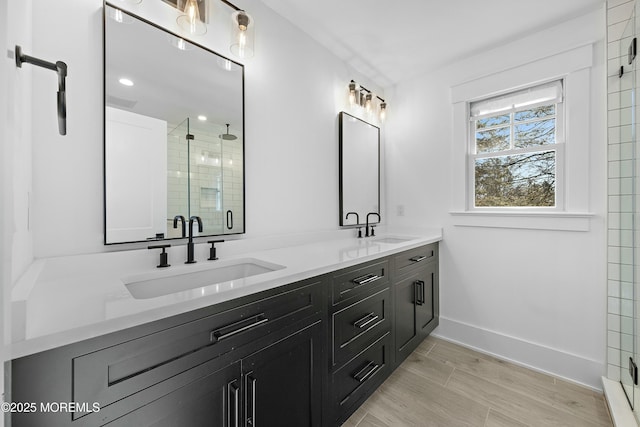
(571, 367)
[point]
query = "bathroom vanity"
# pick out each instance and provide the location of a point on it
(293, 352)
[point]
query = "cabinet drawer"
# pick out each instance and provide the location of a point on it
(351, 282)
(416, 257)
(355, 326)
(113, 373)
(355, 381)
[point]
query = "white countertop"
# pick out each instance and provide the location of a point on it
(63, 300)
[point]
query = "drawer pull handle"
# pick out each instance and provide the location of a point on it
(418, 258)
(365, 279)
(371, 317)
(220, 334)
(370, 369)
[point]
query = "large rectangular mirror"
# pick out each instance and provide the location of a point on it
(359, 170)
(174, 133)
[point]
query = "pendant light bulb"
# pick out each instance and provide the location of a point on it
(352, 93)
(368, 103)
(242, 35)
(190, 21)
(383, 111)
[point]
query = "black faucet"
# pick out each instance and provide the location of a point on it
(181, 219)
(190, 257)
(366, 227)
(164, 257)
(357, 221)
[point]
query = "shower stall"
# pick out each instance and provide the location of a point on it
(205, 176)
(624, 210)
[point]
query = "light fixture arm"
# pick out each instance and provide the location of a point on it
(231, 5)
(362, 87)
(61, 69)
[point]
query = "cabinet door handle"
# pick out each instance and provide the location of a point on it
(418, 258)
(221, 334)
(234, 404)
(365, 279)
(251, 414)
(419, 292)
(366, 372)
(371, 317)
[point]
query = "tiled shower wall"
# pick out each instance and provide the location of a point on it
(216, 178)
(620, 190)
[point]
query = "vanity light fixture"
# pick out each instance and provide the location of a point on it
(190, 21)
(242, 24)
(363, 98)
(125, 81)
(242, 34)
(368, 107)
(383, 111)
(353, 87)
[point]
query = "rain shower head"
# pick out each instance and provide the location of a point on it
(228, 136)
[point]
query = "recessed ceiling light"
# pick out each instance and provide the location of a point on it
(126, 82)
(202, 118)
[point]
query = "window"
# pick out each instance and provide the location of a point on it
(577, 129)
(516, 149)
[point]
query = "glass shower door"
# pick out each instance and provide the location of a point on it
(232, 176)
(627, 215)
(177, 176)
(206, 180)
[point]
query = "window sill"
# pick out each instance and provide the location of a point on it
(560, 221)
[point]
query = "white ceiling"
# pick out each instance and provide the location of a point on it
(389, 41)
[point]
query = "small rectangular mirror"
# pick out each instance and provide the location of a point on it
(359, 169)
(174, 133)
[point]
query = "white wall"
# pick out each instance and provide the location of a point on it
(18, 143)
(294, 91)
(16, 249)
(5, 250)
(536, 297)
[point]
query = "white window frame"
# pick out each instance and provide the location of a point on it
(574, 67)
(558, 147)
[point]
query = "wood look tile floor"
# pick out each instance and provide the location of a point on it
(442, 384)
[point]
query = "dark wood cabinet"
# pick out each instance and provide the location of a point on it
(416, 301)
(282, 382)
(191, 369)
(360, 313)
(304, 354)
(354, 381)
(212, 400)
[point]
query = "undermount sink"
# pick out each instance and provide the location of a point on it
(392, 240)
(184, 278)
